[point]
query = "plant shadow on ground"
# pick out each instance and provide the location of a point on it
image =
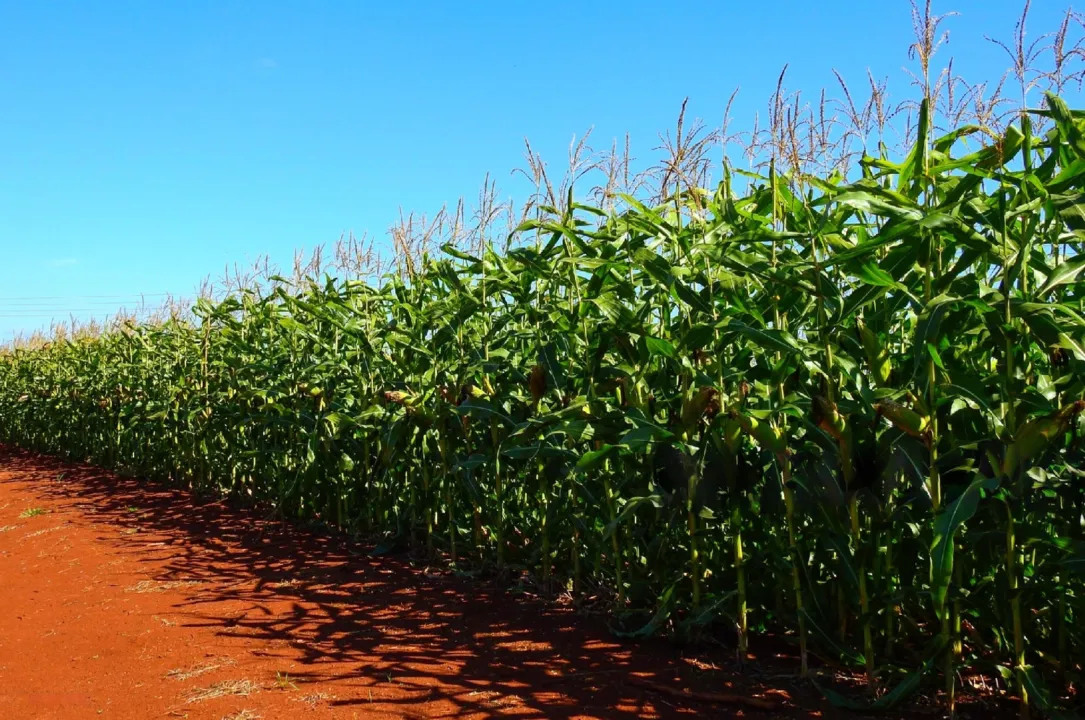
(371, 624)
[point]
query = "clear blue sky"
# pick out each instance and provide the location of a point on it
(144, 145)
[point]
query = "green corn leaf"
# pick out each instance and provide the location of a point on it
(946, 526)
(1066, 272)
(659, 346)
(594, 458)
(478, 407)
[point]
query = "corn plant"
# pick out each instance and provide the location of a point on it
(846, 408)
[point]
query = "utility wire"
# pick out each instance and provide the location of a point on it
(39, 306)
(80, 297)
(78, 303)
(100, 313)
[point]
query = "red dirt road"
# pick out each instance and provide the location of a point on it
(124, 599)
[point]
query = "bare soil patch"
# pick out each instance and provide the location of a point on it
(126, 599)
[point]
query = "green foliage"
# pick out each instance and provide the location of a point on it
(855, 411)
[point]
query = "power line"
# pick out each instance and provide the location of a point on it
(80, 306)
(65, 306)
(78, 315)
(64, 309)
(82, 297)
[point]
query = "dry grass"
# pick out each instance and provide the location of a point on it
(495, 698)
(284, 584)
(5, 528)
(239, 688)
(243, 715)
(313, 699)
(36, 533)
(151, 586)
(197, 670)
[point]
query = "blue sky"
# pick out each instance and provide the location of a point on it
(145, 145)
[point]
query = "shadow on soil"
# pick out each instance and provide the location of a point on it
(367, 622)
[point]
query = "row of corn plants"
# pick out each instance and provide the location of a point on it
(846, 410)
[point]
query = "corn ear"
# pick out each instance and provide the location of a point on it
(905, 419)
(828, 417)
(1035, 435)
(732, 434)
(767, 436)
(877, 355)
(695, 407)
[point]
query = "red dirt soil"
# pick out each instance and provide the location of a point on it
(126, 599)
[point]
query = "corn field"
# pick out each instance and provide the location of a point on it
(846, 409)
